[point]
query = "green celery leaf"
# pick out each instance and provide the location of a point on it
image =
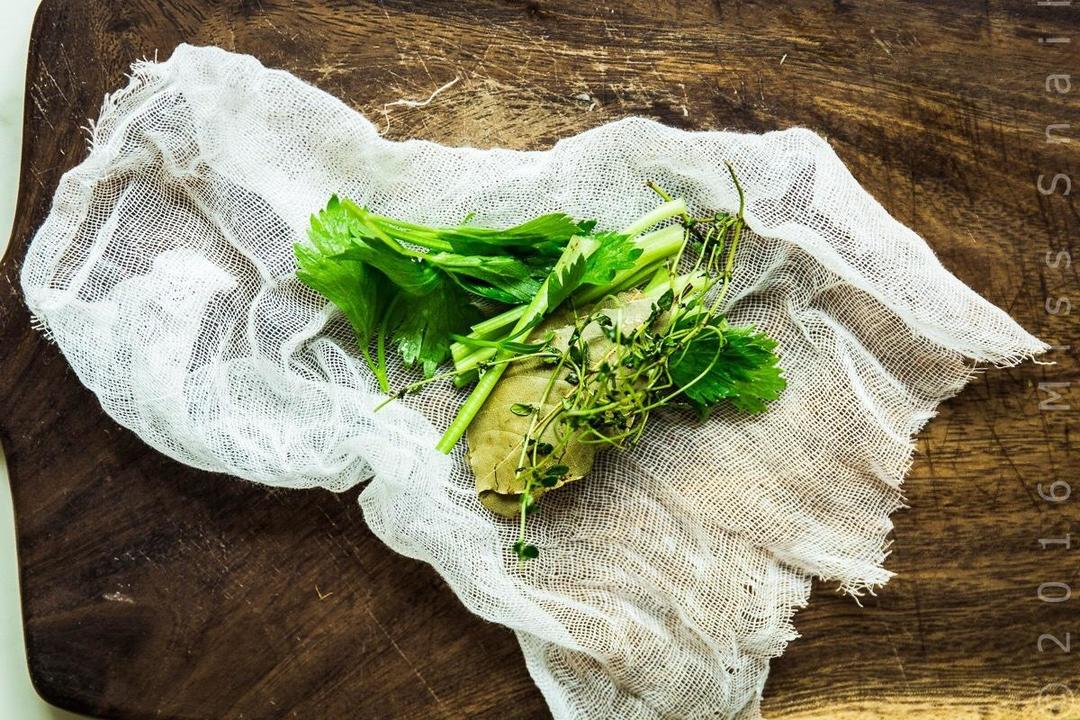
(616, 252)
(498, 277)
(739, 365)
(331, 229)
(543, 236)
(352, 286)
(565, 277)
(412, 275)
(338, 233)
(368, 275)
(424, 326)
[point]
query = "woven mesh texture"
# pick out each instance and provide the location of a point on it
(669, 577)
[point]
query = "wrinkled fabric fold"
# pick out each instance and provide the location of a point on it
(668, 578)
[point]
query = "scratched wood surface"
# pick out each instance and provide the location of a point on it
(153, 590)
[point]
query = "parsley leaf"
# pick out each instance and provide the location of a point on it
(338, 232)
(425, 325)
(501, 278)
(544, 236)
(565, 277)
(350, 285)
(737, 364)
(616, 252)
(381, 286)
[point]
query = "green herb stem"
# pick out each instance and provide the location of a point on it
(498, 322)
(468, 410)
(473, 359)
(664, 212)
(655, 246)
(487, 330)
(658, 245)
(657, 249)
(490, 378)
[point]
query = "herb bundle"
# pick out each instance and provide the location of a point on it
(601, 330)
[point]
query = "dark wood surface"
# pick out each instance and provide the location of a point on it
(153, 590)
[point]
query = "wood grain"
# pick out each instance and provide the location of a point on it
(154, 590)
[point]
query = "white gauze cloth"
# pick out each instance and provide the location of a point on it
(668, 578)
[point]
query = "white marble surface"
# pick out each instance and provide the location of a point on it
(18, 700)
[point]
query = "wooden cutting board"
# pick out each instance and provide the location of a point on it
(153, 590)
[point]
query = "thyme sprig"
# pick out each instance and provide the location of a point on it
(673, 357)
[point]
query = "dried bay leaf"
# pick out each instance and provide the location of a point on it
(497, 433)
